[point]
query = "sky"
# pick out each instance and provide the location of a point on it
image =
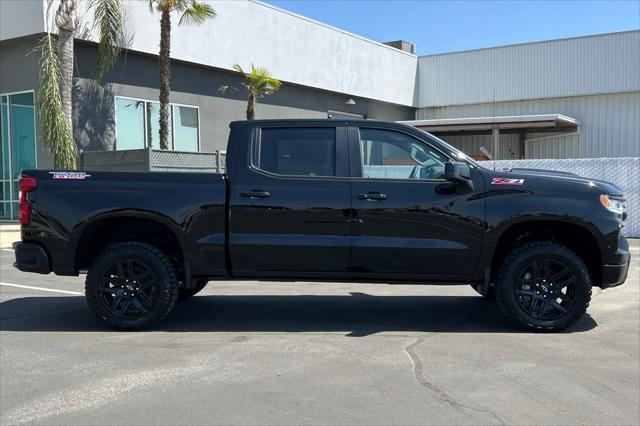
(449, 26)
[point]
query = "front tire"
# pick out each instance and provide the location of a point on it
(543, 286)
(131, 286)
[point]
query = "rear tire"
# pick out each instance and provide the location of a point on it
(186, 293)
(543, 286)
(131, 286)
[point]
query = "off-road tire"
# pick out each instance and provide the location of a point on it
(507, 280)
(186, 293)
(159, 267)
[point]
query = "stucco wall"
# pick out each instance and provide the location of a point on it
(137, 76)
(294, 48)
(19, 72)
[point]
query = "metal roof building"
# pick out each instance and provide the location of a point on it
(594, 80)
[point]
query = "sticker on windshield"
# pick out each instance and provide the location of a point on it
(507, 181)
(69, 175)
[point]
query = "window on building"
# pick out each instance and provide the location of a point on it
(137, 125)
(296, 151)
(185, 128)
(130, 124)
(17, 147)
(392, 155)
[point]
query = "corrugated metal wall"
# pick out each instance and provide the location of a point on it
(509, 146)
(606, 63)
(610, 125)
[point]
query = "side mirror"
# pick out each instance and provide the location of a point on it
(460, 174)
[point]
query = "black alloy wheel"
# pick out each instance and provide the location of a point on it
(546, 289)
(132, 286)
(128, 289)
(543, 286)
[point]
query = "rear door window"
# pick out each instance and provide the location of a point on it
(297, 151)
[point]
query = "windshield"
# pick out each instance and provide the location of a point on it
(453, 150)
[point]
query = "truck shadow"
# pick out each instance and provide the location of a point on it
(357, 315)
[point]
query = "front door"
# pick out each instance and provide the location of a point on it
(17, 148)
(404, 222)
(290, 202)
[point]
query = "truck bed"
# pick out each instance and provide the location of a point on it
(190, 205)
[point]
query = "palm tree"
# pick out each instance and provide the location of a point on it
(55, 96)
(259, 83)
(192, 12)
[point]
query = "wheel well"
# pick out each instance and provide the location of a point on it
(570, 235)
(109, 231)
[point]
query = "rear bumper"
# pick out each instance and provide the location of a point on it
(615, 274)
(31, 258)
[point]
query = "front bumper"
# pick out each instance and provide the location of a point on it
(31, 258)
(615, 274)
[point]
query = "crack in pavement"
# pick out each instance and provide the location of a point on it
(418, 370)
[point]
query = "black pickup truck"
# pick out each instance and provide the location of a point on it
(330, 200)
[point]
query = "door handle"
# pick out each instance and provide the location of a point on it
(372, 196)
(255, 193)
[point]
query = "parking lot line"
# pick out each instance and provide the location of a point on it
(75, 293)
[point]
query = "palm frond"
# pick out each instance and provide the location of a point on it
(57, 134)
(195, 13)
(109, 17)
(260, 81)
(238, 68)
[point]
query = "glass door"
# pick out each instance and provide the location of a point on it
(17, 147)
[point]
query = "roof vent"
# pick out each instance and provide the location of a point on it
(405, 46)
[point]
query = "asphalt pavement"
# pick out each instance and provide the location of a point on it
(314, 353)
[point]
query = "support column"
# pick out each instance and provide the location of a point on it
(522, 147)
(495, 135)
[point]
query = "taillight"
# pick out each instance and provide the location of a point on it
(26, 184)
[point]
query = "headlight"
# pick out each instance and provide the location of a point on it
(612, 204)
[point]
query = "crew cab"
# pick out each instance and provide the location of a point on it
(330, 200)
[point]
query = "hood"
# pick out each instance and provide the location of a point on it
(608, 187)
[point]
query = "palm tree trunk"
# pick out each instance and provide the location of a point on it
(251, 106)
(165, 77)
(65, 45)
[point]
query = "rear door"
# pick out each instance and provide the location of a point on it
(290, 202)
(405, 223)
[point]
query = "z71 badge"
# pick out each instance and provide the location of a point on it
(507, 181)
(69, 175)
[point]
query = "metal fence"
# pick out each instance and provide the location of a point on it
(624, 172)
(152, 160)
